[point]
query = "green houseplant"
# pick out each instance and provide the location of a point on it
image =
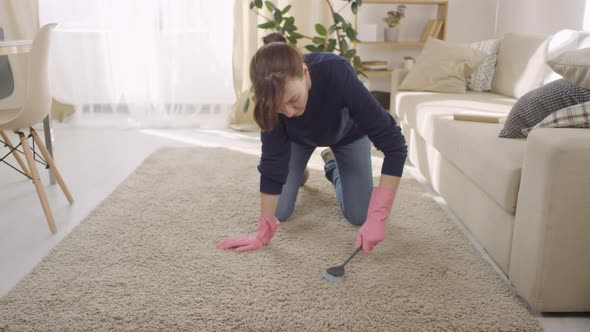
(392, 20)
(394, 17)
(338, 37)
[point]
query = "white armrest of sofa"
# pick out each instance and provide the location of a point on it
(550, 255)
(397, 77)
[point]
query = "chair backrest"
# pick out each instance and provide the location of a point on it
(37, 103)
(6, 78)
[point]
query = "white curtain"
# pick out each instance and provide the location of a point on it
(143, 63)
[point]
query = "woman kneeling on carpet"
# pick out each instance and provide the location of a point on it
(303, 102)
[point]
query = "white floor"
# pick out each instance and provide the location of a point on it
(93, 162)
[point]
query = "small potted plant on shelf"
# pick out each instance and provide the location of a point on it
(393, 20)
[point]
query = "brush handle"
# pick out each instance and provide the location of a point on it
(353, 254)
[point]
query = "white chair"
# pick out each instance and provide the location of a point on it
(36, 106)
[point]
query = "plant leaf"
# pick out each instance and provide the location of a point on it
(354, 7)
(343, 46)
(356, 61)
(267, 25)
(296, 35)
(311, 48)
(258, 4)
(339, 19)
(288, 24)
(350, 54)
(320, 29)
(289, 27)
(286, 9)
(351, 33)
(271, 6)
(331, 45)
(318, 40)
(246, 105)
(333, 28)
(278, 16)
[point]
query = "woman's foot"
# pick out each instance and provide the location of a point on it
(305, 176)
(327, 155)
(329, 163)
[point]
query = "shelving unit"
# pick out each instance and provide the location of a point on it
(400, 43)
(441, 14)
(442, 10)
(377, 72)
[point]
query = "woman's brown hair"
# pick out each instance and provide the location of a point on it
(271, 66)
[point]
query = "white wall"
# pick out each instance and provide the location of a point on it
(541, 16)
(468, 21)
(471, 20)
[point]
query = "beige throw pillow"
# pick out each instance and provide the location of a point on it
(442, 67)
(574, 66)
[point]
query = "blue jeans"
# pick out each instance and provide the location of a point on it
(351, 175)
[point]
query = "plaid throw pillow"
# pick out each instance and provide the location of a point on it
(537, 104)
(577, 116)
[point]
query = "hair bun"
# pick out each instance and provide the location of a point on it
(274, 37)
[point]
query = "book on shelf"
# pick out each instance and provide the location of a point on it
(437, 29)
(375, 65)
(433, 29)
(427, 30)
(479, 117)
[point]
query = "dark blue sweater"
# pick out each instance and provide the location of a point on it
(339, 110)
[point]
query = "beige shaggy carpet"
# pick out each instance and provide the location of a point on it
(145, 260)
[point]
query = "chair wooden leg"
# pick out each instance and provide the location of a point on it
(37, 182)
(15, 153)
(52, 167)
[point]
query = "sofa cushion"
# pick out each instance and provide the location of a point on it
(574, 66)
(419, 107)
(521, 64)
(493, 164)
(539, 103)
(564, 41)
(442, 67)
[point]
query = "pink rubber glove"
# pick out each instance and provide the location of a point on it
(266, 230)
(373, 230)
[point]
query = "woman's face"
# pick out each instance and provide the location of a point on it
(295, 96)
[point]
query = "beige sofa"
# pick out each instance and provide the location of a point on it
(526, 201)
